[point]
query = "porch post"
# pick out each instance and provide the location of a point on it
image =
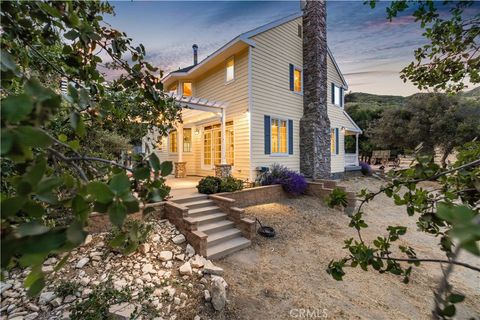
(224, 139)
(180, 165)
(356, 149)
(180, 142)
(223, 169)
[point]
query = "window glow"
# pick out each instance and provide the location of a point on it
(230, 70)
(279, 136)
(333, 143)
(172, 136)
(297, 80)
(187, 140)
(187, 89)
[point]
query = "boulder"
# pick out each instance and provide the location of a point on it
(166, 255)
(88, 239)
(82, 262)
(219, 295)
(198, 261)
(186, 269)
(145, 248)
(148, 268)
(189, 251)
(179, 239)
(210, 268)
(46, 297)
(122, 311)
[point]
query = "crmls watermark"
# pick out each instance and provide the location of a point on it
(308, 313)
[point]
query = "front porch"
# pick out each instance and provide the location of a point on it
(351, 159)
(182, 187)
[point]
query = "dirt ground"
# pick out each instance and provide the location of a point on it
(278, 278)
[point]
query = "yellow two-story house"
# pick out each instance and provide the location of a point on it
(243, 104)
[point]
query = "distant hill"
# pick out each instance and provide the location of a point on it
(360, 97)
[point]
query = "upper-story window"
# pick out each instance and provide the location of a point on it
(296, 81)
(187, 89)
(230, 70)
(337, 95)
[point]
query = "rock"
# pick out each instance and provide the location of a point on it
(86, 292)
(31, 316)
(32, 307)
(148, 268)
(186, 269)
(56, 302)
(207, 296)
(4, 286)
(122, 311)
(120, 284)
(155, 238)
(82, 262)
(189, 251)
(170, 291)
(197, 317)
(219, 295)
(46, 297)
(179, 239)
(85, 281)
(210, 268)
(88, 239)
(198, 261)
(166, 255)
(183, 295)
(144, 248)
(177, 300)
(50, 261)
(169, 264)
(220, 280)
(47, 269)
(69, 299)
(180, 257)
(146, 277)
(11, 308)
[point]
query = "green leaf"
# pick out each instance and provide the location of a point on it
(117, 213)
(71, 35)
(36, 287)
(119, 183)
(118, 240)
(34, 209)
(7, 62)
(456, 298)
(31, 229)
(132, 206)
(100, 192)
(80, 208)
(449, 311)
(154, 162)
(16, 108)
(12, 205)
(141, 173)
(46, 185)
(36, 171)
(62, 137)
(7, 141)
(33, 137)
(166, 168)
(61, 263)
(75, 234)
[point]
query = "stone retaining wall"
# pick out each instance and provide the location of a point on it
(257, 195)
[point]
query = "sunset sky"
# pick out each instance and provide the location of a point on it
(369, 49)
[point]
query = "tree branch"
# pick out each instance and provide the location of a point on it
(452, 262)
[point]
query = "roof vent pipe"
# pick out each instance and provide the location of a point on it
(195, 54)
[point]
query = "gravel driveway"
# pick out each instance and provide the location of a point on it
(285, 278)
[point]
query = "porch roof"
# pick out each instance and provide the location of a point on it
(201, 104)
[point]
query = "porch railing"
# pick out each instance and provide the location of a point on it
(351, 159)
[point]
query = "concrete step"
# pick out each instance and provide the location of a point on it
(202, 211)
(221, 236)
(209, 218)
(216, 226)
(199, 204)
(224, 248)
(189, 198)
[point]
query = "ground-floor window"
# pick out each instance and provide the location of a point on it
(187, 140)
(172, 137)
(278, 130)
(334, 140)
(212, 144)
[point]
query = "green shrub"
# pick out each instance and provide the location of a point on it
(66, 288)
(127, 239)
(96, 306)
(230, 184)
(337, 197)
(209, 185)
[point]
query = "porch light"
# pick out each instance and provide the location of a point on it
(197, 132)
(343, 130)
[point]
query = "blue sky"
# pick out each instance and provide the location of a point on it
(369, 49)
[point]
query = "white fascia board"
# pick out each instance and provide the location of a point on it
(353, 122)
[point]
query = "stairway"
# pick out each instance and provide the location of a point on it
(223, 238)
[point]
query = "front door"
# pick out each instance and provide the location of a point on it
(212, 145)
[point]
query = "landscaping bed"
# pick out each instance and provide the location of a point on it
(277, 278)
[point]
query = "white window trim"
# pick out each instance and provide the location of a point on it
(278, 154)
(301, 80)
(234, 76)
(342, 97)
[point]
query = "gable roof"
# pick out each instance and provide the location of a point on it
(246, 38)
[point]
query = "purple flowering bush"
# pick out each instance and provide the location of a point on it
(365, 168)
(292, 182)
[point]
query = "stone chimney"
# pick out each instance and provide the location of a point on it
(315, 124)
(195, 54)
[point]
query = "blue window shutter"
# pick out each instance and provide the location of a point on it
(333, 93)
(267, 135)
(341, 97)
(290, 136)
(336, 140)
(291, 77)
